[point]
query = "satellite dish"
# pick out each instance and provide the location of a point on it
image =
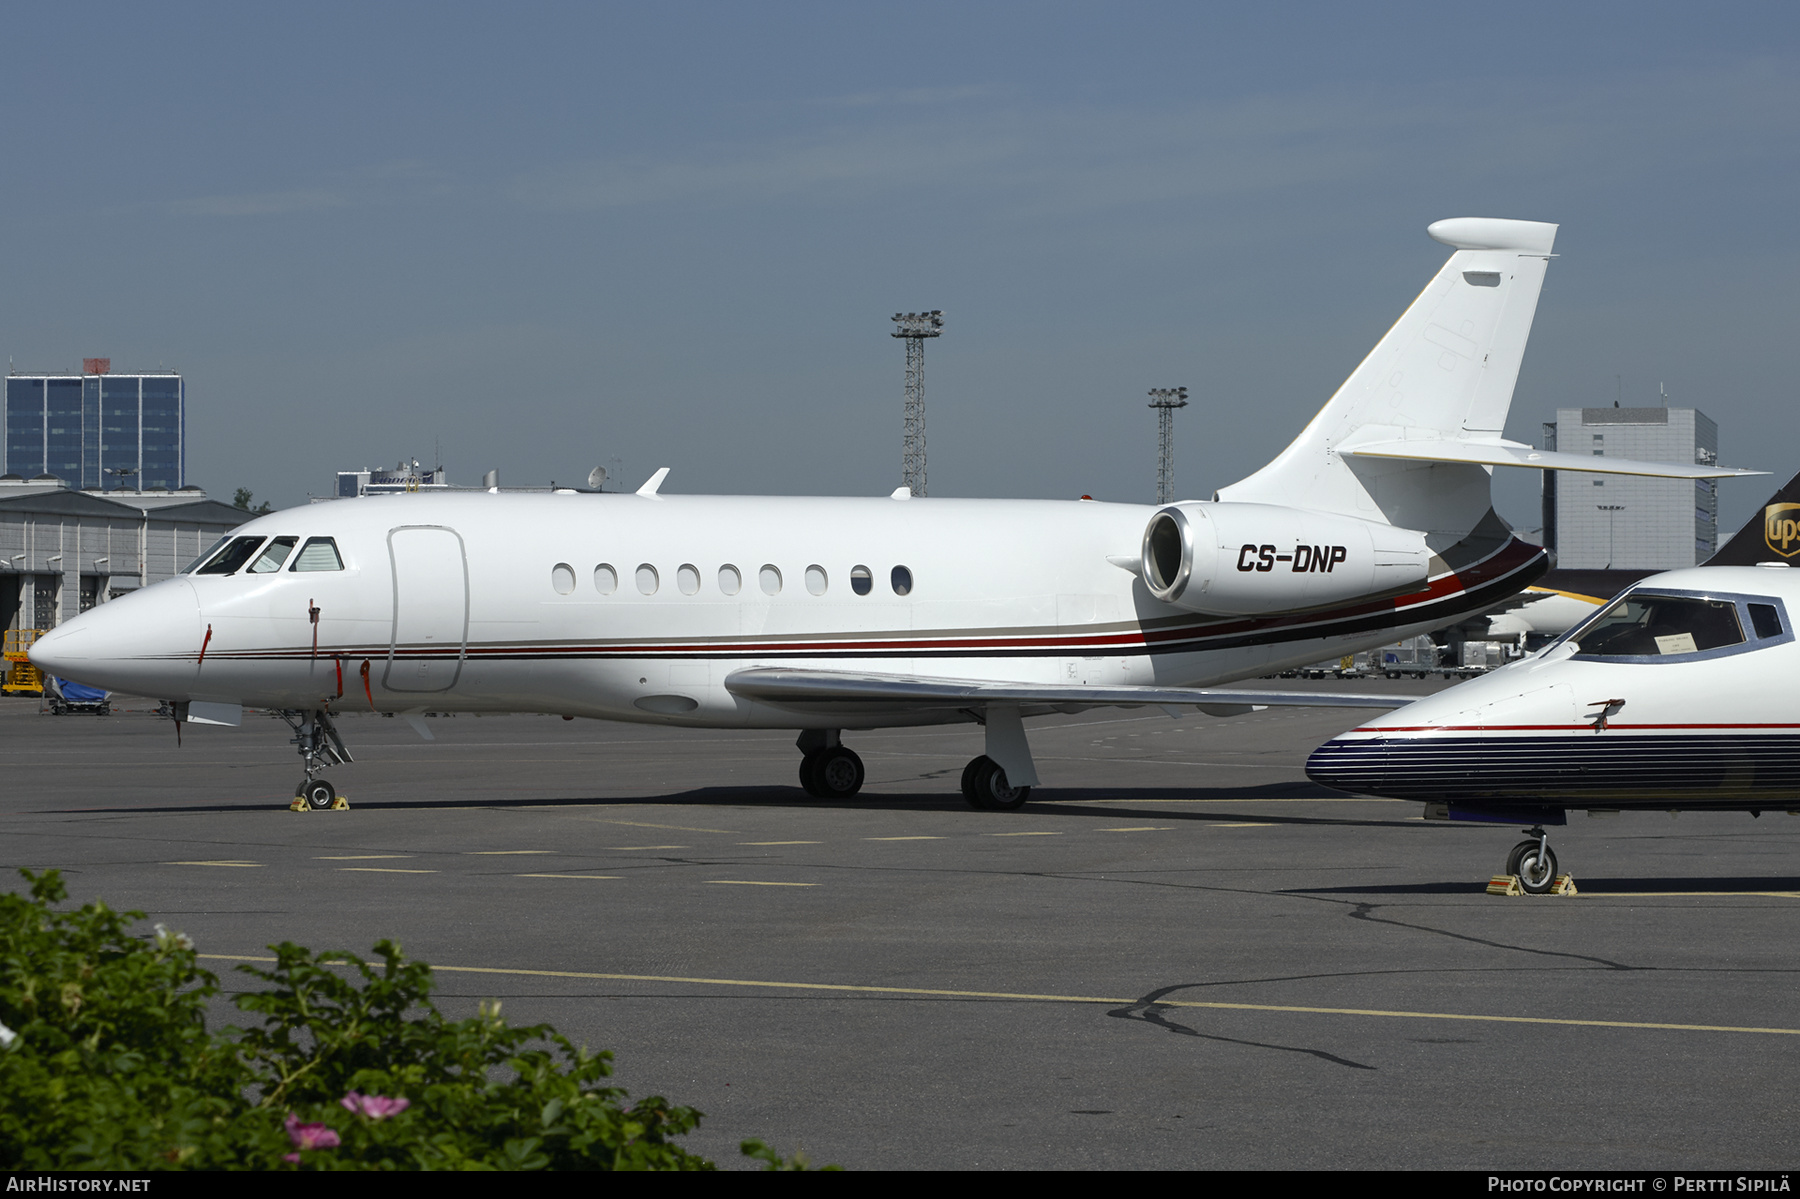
(597, 477)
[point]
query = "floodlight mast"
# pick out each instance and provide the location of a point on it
(1165, 400)
(915, 327)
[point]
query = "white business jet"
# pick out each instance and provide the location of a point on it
(1678, 695)
(829, 614)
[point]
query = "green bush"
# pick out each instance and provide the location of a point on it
(106, 1064)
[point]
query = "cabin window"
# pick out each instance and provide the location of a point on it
(687, 578)
(861, 581)
(769, 578)
(562, 578)
(730, 581)
(1766, 620)
(816, 582)
(227, 561)
(606, 579)
(902, 580)
(319, 553)
(647, 579)
(1661, 625)
(274, 555)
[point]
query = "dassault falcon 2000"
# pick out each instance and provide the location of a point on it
(1676, 696)
(829, 614)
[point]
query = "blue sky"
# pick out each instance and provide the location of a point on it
(550, 236)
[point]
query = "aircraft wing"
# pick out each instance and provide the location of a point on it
(1512, 453)
(811, 688)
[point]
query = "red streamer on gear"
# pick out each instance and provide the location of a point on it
(366, 691)
(203, 645)
(340, 670)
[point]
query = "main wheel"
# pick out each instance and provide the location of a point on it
(970, 791)
(809, 773)
(1536, 868)
(838, 774)
(985, 786)
(318, 794)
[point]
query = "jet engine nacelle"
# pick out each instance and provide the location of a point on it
(1254, 559)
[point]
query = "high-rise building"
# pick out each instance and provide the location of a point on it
(1631, 521)
(97, 430)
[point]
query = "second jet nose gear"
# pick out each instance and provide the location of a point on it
(1534, 862)
(319, 745)
(830, 769)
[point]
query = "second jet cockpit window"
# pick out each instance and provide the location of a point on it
(1661, 625)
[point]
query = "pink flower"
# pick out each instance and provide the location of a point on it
(309, 1136)
(375, 1107)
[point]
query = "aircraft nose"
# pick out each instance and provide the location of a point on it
(144, 643)
(1349, 764)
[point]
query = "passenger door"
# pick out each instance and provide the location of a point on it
(431, 608)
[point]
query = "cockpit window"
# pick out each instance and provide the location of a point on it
(1641, 625)
(273, 555)
(1767, 620)
(210, 551)
(237, 551)
(319, 553)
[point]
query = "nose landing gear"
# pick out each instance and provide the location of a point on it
(1534, 862)
(319, 745)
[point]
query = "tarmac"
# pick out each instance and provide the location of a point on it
(1180, 955)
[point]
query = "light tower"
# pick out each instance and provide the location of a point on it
(915, 327)
(1165, 400)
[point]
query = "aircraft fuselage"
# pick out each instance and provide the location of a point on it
(630, 607)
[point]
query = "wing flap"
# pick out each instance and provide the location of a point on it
(814, 687)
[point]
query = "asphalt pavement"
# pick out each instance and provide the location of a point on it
(1180, 954)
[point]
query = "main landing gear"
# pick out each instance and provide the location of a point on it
(984, 785)
(829, 769)
(319, 745)
(1534, 862)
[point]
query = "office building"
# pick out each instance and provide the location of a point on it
(1630, 521)
(97, 431)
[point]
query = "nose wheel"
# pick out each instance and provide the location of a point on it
(317, 794)
(1534, 862)
(319, 745)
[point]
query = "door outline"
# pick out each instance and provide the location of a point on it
(462, 551)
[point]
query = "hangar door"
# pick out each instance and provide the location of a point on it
(431, 608)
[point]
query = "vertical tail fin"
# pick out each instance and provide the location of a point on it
(1445, 371)
(1772, 535)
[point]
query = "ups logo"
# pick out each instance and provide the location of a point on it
(1781, 529)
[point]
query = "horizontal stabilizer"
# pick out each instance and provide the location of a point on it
(811, 687)
(1514, 453)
